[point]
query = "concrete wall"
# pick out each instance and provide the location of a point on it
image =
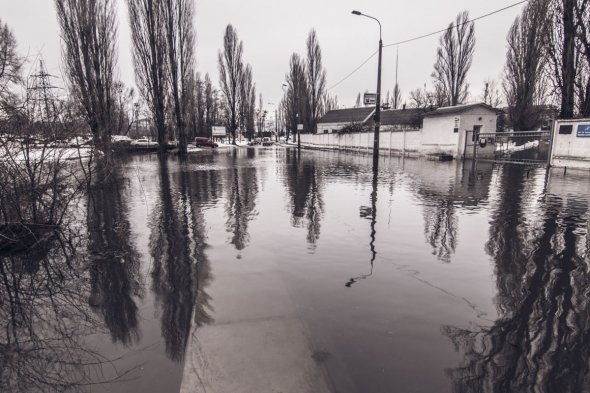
(395, 141)
(437, 135)
(570, 150)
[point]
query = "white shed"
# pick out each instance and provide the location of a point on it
(444, 129)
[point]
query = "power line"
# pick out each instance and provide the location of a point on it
(461, 24)
(353, 71)
(424, 36)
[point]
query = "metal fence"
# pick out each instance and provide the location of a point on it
(530, 148)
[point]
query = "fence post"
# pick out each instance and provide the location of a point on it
(475, 137)
(551, 136)
(404, 143)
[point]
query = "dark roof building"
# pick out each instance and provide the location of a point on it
(411, 117)
(350, 115)
(458, 109)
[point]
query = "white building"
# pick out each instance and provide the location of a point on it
(440, 131)
(571, 144)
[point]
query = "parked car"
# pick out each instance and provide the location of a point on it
(205, 142)
(144, 143)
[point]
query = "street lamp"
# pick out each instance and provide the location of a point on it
(378, 99)
(276, 122)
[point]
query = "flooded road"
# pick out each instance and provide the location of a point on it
(261, 270)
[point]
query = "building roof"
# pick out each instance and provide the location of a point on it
(401, 117)
(351, 115)
(452, 110)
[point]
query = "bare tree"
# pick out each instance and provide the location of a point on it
(147, 23)
(296, 93)
(212, 105)
(89, 36)
(397, 96)
(260, 116)
(454, 58)
(123, 108)
(231, 75)
(10, 61)
(582, 8)
(247, 102)
(330, 103)
(491, 94)
(316, 80)
(562, 53)
(418, 98)
(523, 71)
(180, 40)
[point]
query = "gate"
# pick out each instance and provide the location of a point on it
(531, 148)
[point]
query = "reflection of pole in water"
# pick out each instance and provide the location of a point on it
(373, 230)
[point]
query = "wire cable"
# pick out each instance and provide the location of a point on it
(461, 24)
(353, 71)
(421, 37)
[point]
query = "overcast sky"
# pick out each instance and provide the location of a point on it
(273, 29)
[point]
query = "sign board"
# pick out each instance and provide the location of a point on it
(299, 127)
(370, 99)
(583, 131)
(219, 131)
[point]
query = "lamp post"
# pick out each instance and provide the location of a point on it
(276, 122)
(378, 99)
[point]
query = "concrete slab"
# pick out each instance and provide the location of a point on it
(270, 356)
(256, 343)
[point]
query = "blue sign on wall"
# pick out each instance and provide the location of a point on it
(583, 130)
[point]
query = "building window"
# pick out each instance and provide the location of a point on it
(456, 130)
(566, 129)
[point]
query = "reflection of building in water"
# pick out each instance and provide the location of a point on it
(304, 185)
(240, 207)
(181, 269)
(443, 189)
(540, 343)
(114, 261)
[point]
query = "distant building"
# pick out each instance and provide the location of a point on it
(442, 130)
(335, 120)
(571, 144)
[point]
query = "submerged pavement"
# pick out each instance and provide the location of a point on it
(257, 343)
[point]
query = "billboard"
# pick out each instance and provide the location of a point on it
(218, 131)
(583, 130)
(370, 99)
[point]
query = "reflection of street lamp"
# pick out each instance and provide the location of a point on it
(373, 234)
(378, 99)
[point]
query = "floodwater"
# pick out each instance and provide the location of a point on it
(261, 270)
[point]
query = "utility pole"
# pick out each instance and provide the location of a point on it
(377, 110)
(378, 98)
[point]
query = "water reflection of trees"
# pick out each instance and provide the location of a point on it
(114, 262)
(241, 201)
(541, 341)
(445, 189)
(181, 269)
(304, 185)
(440, 227)
(45, 320)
